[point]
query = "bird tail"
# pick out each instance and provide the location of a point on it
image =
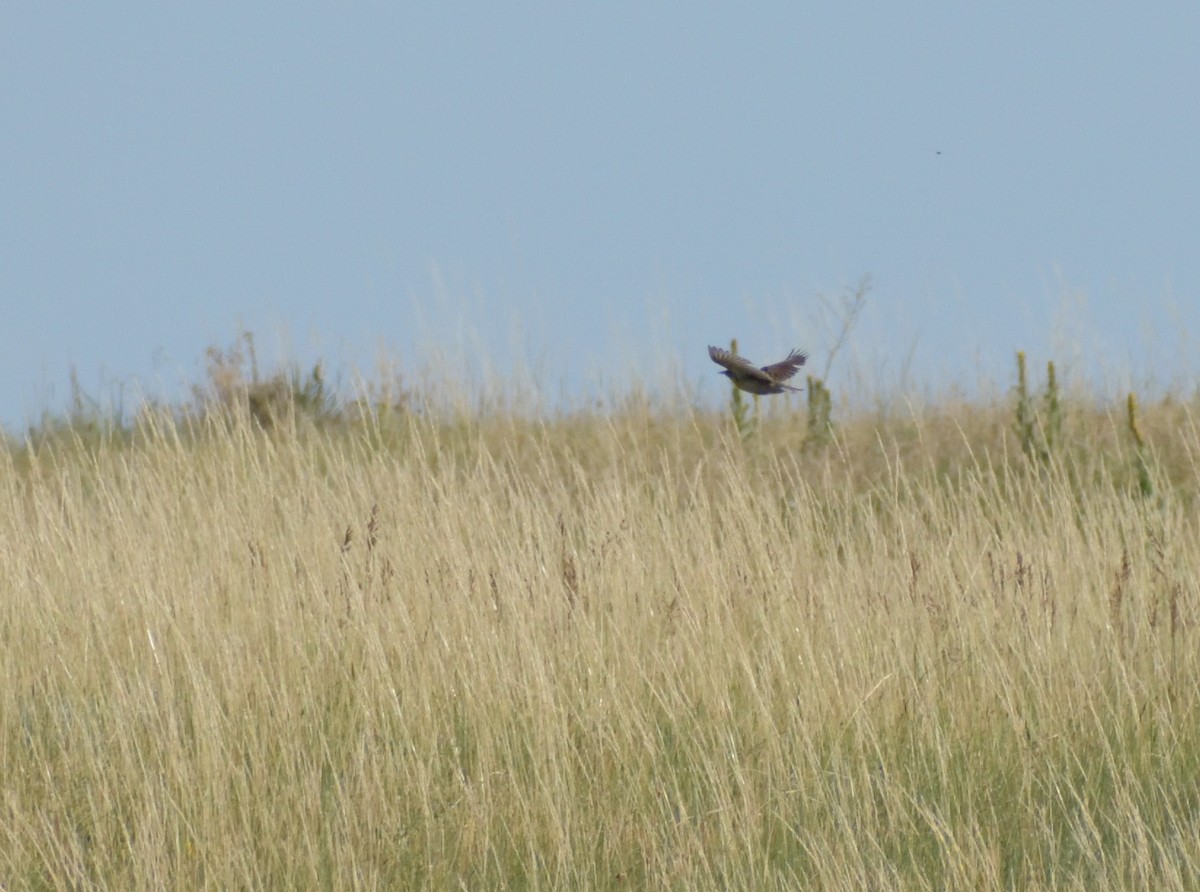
(789, 387)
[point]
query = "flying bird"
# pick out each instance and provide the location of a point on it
(748, 377)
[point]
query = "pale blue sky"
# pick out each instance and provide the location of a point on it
(563, 184)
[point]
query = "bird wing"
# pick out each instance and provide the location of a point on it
(737, 364)
(781, 371)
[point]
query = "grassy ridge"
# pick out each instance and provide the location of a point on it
(605, 650)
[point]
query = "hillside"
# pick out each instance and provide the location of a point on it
(279, 643)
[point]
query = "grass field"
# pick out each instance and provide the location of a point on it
(630, 648)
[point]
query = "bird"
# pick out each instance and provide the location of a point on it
(746, 376)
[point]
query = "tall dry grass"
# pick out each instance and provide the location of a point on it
(602, 651)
